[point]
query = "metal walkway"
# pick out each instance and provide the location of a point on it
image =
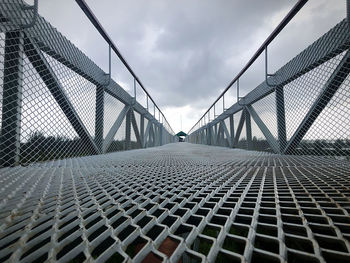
(178, 203)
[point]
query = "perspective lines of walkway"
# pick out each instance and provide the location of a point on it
(177, 203)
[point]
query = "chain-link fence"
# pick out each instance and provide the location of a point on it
(56, 103)
(303, 109)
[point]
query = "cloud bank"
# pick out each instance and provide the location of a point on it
(186, 52)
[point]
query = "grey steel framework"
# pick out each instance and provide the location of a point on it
(57, 103)
(303, 108)
(177, 203)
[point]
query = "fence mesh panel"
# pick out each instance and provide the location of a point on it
(181, 202)
(80, 92)
(119, 143)
(54, 101)
(112, 109)
(328, 135)
(266, 110)
(303, 109)
(46, 132)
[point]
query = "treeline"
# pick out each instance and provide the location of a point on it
(42, 148)
(306, 147)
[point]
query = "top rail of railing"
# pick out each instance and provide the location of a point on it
(93, 19)
(295, 9)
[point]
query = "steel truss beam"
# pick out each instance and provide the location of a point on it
(50, 79)
(269, 137)
(142, 130)
(226, 132)
(64, 51)
(218, 134)
(239, 128)
(147, 135)
(212, 132)
(215, 133)
(209, 136)
(248, 129)
(281, 118)
(160, 134)
(152, 135)
(330, 88)
(37, 41)
(331, 44)
(113, 130)
(232, 130)
(99, 117)
(12, 98)
(127, 142)
(136, 130)
(155, 135)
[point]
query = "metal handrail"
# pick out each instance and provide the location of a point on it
(34, 7)
(93, 19)
(295, 9)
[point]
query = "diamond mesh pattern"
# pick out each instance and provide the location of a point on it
(80, 92)
(54, 101)
(119, 142)
(303, 109)
(113, 107)
(179, 202)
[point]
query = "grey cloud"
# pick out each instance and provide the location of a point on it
(186, 52)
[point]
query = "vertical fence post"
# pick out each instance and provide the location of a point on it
(248, 129)
(128, 130)
(281, 118)
(215, 134)
(142, 130)
(99, 116)
(12, 99)
(232, 130)
(208, 134)
(155, 126)
(160, 134)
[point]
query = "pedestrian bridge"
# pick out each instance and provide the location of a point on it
(92, 172)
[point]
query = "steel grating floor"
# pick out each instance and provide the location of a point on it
(177, 203)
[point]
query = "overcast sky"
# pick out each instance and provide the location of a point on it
(186, 51)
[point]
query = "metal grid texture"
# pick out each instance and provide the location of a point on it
(55, 102)
(177, 203)
(302, 109)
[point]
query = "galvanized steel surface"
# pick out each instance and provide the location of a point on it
(177, 203)
(302, 109)
(56, 103)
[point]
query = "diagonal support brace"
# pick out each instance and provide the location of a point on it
(330, 88)
(50, 79)
(113, 130)
(146, 135)
(136, 129)
(225, 130)
(239, 128)
(268, 135)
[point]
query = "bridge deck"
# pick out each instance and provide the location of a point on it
(177, 202)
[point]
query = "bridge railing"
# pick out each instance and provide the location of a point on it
(303, 108)
(56, 103)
